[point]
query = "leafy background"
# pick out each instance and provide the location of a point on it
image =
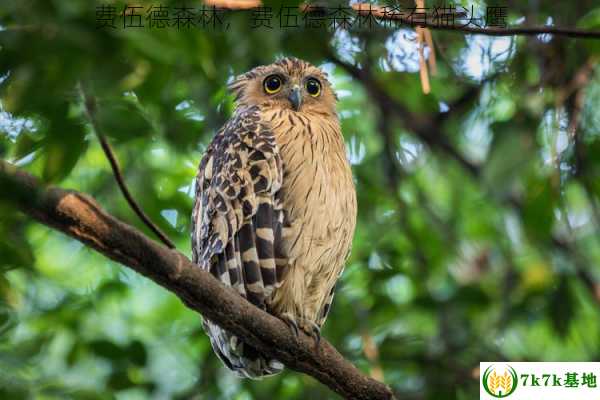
(449, 266)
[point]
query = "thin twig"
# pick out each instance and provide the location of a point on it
(422, 126)
(424, 73)
(366, 9)
(372, 353)
(577, 86)
(573, 97)
(90, 107)
(233, 4)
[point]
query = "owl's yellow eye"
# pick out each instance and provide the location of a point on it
(272, 84)
(313, 87)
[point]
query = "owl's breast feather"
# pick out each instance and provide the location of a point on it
(320, 203)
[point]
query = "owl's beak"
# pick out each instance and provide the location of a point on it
(295, 97)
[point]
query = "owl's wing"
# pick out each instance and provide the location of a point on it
(237, 220)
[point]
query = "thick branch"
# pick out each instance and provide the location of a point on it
(80, 217)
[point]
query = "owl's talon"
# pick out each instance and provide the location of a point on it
(291, 322)
(309, 327)
(313, 331)
(317, 337)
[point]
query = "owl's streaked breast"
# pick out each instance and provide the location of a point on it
(320, 202)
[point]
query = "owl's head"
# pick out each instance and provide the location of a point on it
(290, 84)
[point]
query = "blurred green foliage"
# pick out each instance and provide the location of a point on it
(448, 268)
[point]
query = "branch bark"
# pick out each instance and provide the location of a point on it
(80, 217)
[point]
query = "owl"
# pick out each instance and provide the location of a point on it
(275, 205)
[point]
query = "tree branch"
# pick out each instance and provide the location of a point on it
(80, 217)
(386, 13)
(89, 103)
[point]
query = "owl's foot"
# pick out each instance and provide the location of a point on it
(308, 326)
(313, 331)
(291, 322)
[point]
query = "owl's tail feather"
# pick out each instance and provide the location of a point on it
(238, 356)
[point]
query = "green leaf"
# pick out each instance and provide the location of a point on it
(562, 309)
(509, 154)
(121, 118)
(15, 249)
(26, 144)
(137, 353)
(60, 159)
(538, 208)
(107, 349)
(591, 21)
(64, 144)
